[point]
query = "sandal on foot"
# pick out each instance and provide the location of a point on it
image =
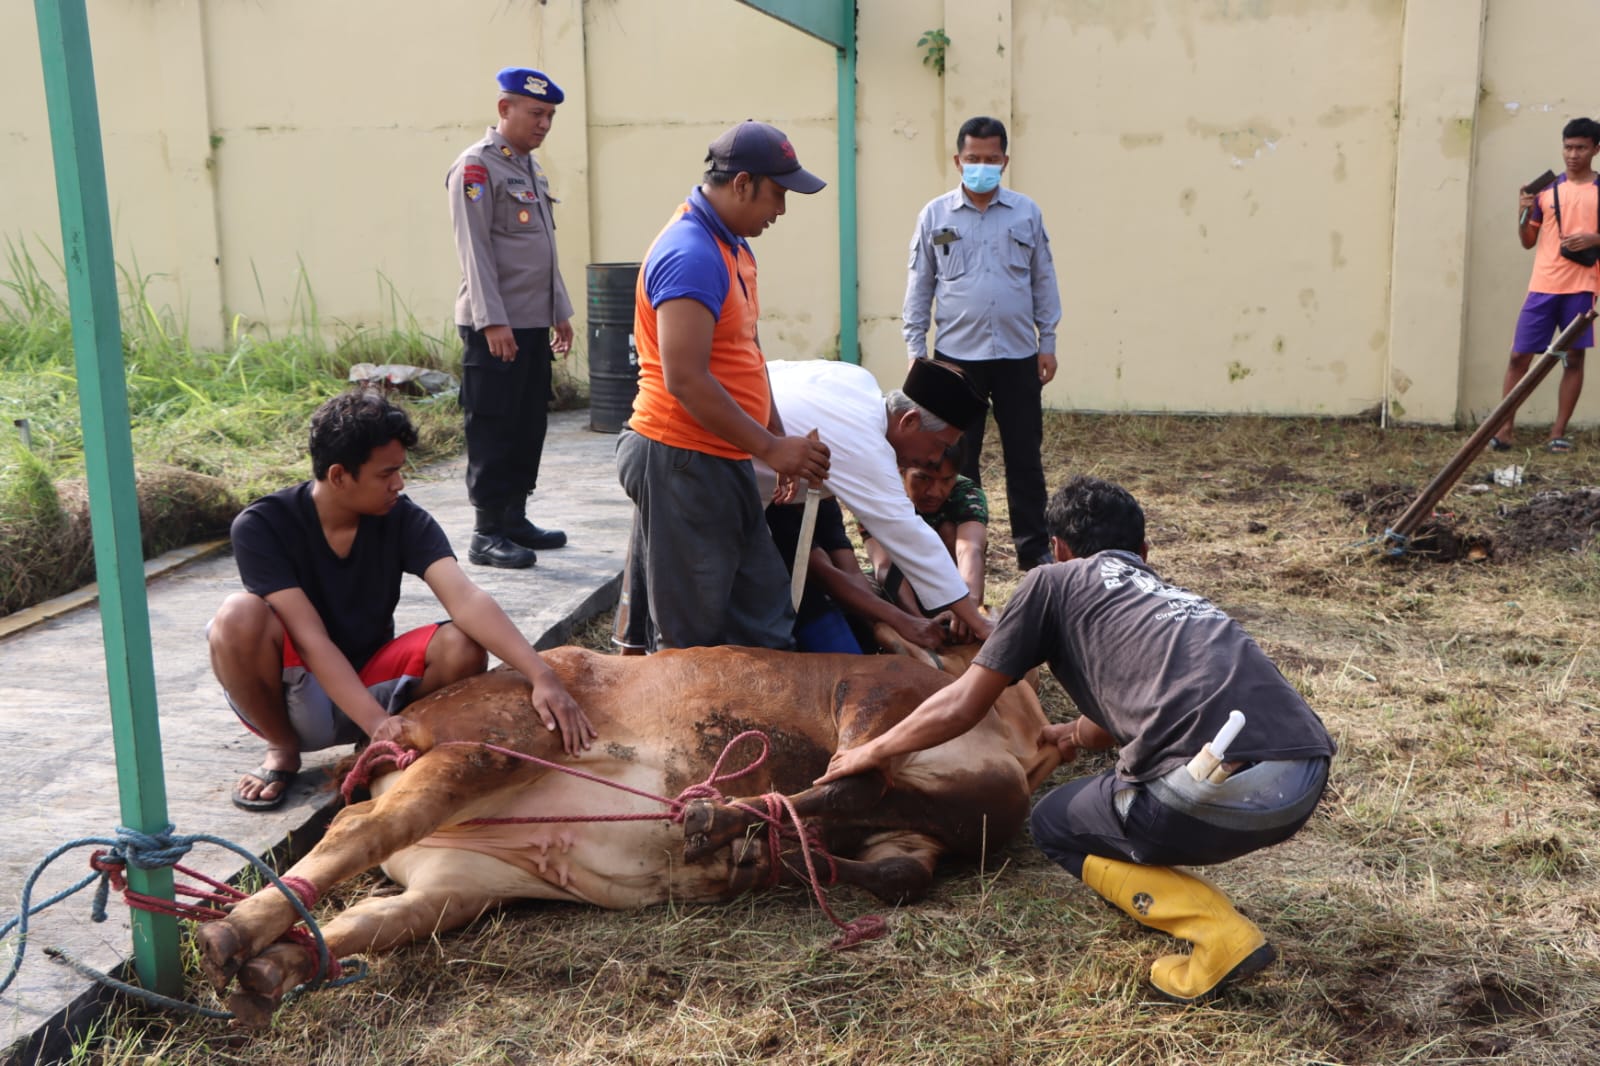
(282, 778)
(1498, 445)
(1558, 445)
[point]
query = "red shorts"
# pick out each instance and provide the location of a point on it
(392, 675)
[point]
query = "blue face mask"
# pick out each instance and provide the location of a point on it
(980, 177)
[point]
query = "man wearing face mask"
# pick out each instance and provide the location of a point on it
(700, 544)
(980, 262)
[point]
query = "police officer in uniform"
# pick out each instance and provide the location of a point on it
(511, 300)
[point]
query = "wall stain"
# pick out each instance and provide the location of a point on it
(1455, 139)
(1186, 200)
(1237, 371)
(1240, 143)
(1400, 381)
(1338, 115)
(1308, 299)
(1337, 258)
(1142, 140)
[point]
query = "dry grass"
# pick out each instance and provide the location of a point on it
(1442, 907)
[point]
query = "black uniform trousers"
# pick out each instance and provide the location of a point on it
(507, 409)
(1012, 387)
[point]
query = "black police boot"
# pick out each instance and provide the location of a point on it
(491, 547)
(519, 530)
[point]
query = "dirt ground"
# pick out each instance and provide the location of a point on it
(1442, 906)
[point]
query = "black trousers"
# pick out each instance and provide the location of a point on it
(1012, 388)
(507, 409)
(1080, 819)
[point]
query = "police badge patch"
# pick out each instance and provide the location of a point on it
(473, 190)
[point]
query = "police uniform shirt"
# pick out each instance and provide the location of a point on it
(500, 209)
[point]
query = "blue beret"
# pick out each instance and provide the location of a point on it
(525, 81)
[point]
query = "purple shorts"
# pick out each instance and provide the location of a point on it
(1544, 314)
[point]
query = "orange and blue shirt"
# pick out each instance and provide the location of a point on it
(1580, 213)
(696, 257)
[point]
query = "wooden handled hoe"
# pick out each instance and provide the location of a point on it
(1397, 538)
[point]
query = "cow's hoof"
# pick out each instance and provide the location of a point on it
(707, 826)
(221, 954)
(252, 1011)
(896, 881)
(264, 975)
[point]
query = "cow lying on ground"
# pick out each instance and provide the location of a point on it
(663, 721)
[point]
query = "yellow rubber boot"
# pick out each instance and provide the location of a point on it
(1227, 945)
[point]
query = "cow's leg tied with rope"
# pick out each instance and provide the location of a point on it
(709, 825)
(374, 924)
(429, 794)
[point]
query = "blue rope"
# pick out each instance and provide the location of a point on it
(152, 851)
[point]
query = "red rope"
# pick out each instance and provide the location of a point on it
(868, 927)
(384, 751)
(224, 894)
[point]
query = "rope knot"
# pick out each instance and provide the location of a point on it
(151, 851)
(859, 931)
(367, 763)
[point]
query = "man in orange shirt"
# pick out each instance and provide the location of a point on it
(1563, 222)
(700, 542)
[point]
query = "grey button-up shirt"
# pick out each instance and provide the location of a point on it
(988, 275)
(500, 209)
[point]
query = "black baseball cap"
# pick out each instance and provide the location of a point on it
(761, 150)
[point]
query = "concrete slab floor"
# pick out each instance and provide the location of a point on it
(56, 753)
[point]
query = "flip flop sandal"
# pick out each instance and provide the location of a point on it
(1498, 445)
(267, 777)
(1558, 446)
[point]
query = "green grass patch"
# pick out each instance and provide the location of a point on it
(210, 428)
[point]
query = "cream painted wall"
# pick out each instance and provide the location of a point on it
(660, 94)
(159, 201)
(334, 128)
(1287, 206)
(1218, 188)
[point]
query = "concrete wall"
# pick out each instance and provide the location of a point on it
(1286, 206)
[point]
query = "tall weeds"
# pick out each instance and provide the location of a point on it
(238, 415)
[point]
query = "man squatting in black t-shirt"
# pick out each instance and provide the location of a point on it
(1154, 669)
(307, 655)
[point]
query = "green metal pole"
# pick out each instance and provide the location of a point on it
(108, 456)
(849, 307)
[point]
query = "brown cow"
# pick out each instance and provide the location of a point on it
(663, 721)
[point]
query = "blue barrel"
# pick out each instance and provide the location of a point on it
(613, 360)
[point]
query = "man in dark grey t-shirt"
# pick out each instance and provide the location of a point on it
(1155, 670)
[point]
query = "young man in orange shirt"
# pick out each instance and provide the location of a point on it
(1563, 224)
